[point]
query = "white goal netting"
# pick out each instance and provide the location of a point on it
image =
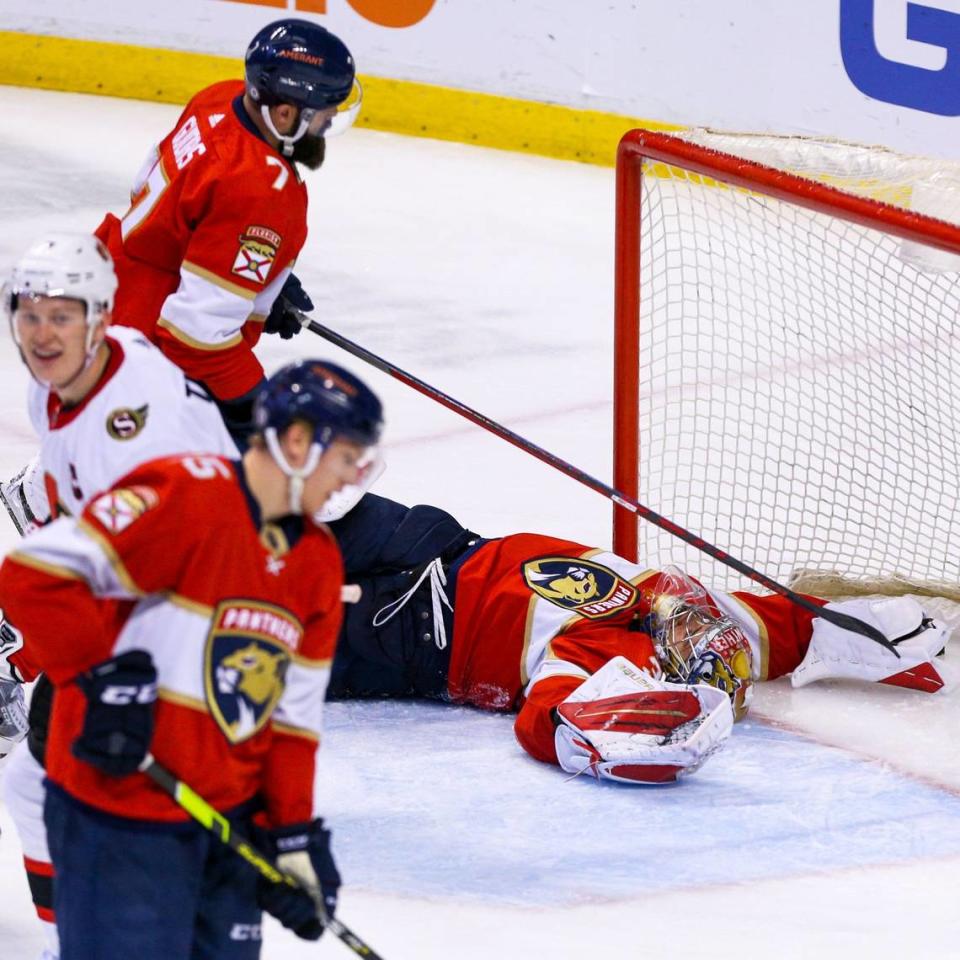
(799, 389)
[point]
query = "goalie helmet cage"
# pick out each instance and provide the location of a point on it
(787, 364)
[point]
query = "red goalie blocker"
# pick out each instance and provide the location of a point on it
(656, 714)
(623, 724)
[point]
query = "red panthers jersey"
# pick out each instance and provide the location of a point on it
(216, 221)
(535, 616)
(241, 627)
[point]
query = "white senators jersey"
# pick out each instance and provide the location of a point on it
(141, 408)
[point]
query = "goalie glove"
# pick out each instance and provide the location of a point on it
(621, 724)
(838, 653)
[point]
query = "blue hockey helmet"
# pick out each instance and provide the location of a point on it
(334, 402)
(331, 399)
(303, 64)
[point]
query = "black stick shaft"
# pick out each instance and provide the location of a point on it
(842, 620)
(222, 829)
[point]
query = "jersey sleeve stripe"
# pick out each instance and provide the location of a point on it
(182, 700)
(119, 570)
(194, 606)
(45, 566)
(286, 728)
(211, 277)
(309, 664)
(527, 636)
(183, 337)
(301, 705)
(554, 667)
(146, 195)
(754, 627)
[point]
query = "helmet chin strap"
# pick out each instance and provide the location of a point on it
(297, 476)
(286, 142)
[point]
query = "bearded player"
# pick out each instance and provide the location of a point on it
(218, 213)
(619, 671)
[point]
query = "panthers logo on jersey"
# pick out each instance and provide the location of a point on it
(247, 655)
(126, 423)
(587, 588)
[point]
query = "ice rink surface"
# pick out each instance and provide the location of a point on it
(830, 824)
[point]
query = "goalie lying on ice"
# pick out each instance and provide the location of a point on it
(623, 672)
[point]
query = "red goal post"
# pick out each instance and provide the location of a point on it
(736, 277)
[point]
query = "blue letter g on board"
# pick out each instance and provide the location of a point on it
(893, 80)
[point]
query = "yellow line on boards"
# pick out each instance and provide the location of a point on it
(395, 106)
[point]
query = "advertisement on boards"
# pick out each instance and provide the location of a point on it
(873, 71)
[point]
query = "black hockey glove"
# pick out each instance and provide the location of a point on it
(118, 725)
(282, 319)
(302, 850)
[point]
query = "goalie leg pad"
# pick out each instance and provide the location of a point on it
(621, 724)
(840, 654)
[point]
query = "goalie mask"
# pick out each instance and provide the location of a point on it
(695, 642)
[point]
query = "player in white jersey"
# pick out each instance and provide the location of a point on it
(102, 400)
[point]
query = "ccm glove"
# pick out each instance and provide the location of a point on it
(118, 726)
(282, 319)
(302, 850)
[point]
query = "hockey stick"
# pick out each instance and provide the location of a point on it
(842, 620)
(220, 827)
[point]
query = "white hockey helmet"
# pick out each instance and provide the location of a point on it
(74, 265)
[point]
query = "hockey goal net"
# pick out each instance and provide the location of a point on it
(787, 360)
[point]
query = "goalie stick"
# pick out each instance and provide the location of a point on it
(211, 819)
(842, 620)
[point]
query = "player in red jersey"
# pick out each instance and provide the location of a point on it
(191, 610)
(102, 400)
(624, 672)
(217, 218)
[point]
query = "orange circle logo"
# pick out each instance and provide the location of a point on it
(393, 13)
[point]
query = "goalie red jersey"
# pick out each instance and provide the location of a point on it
(241, 635)
(618, 670)
(216, 221)
(560, 611)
